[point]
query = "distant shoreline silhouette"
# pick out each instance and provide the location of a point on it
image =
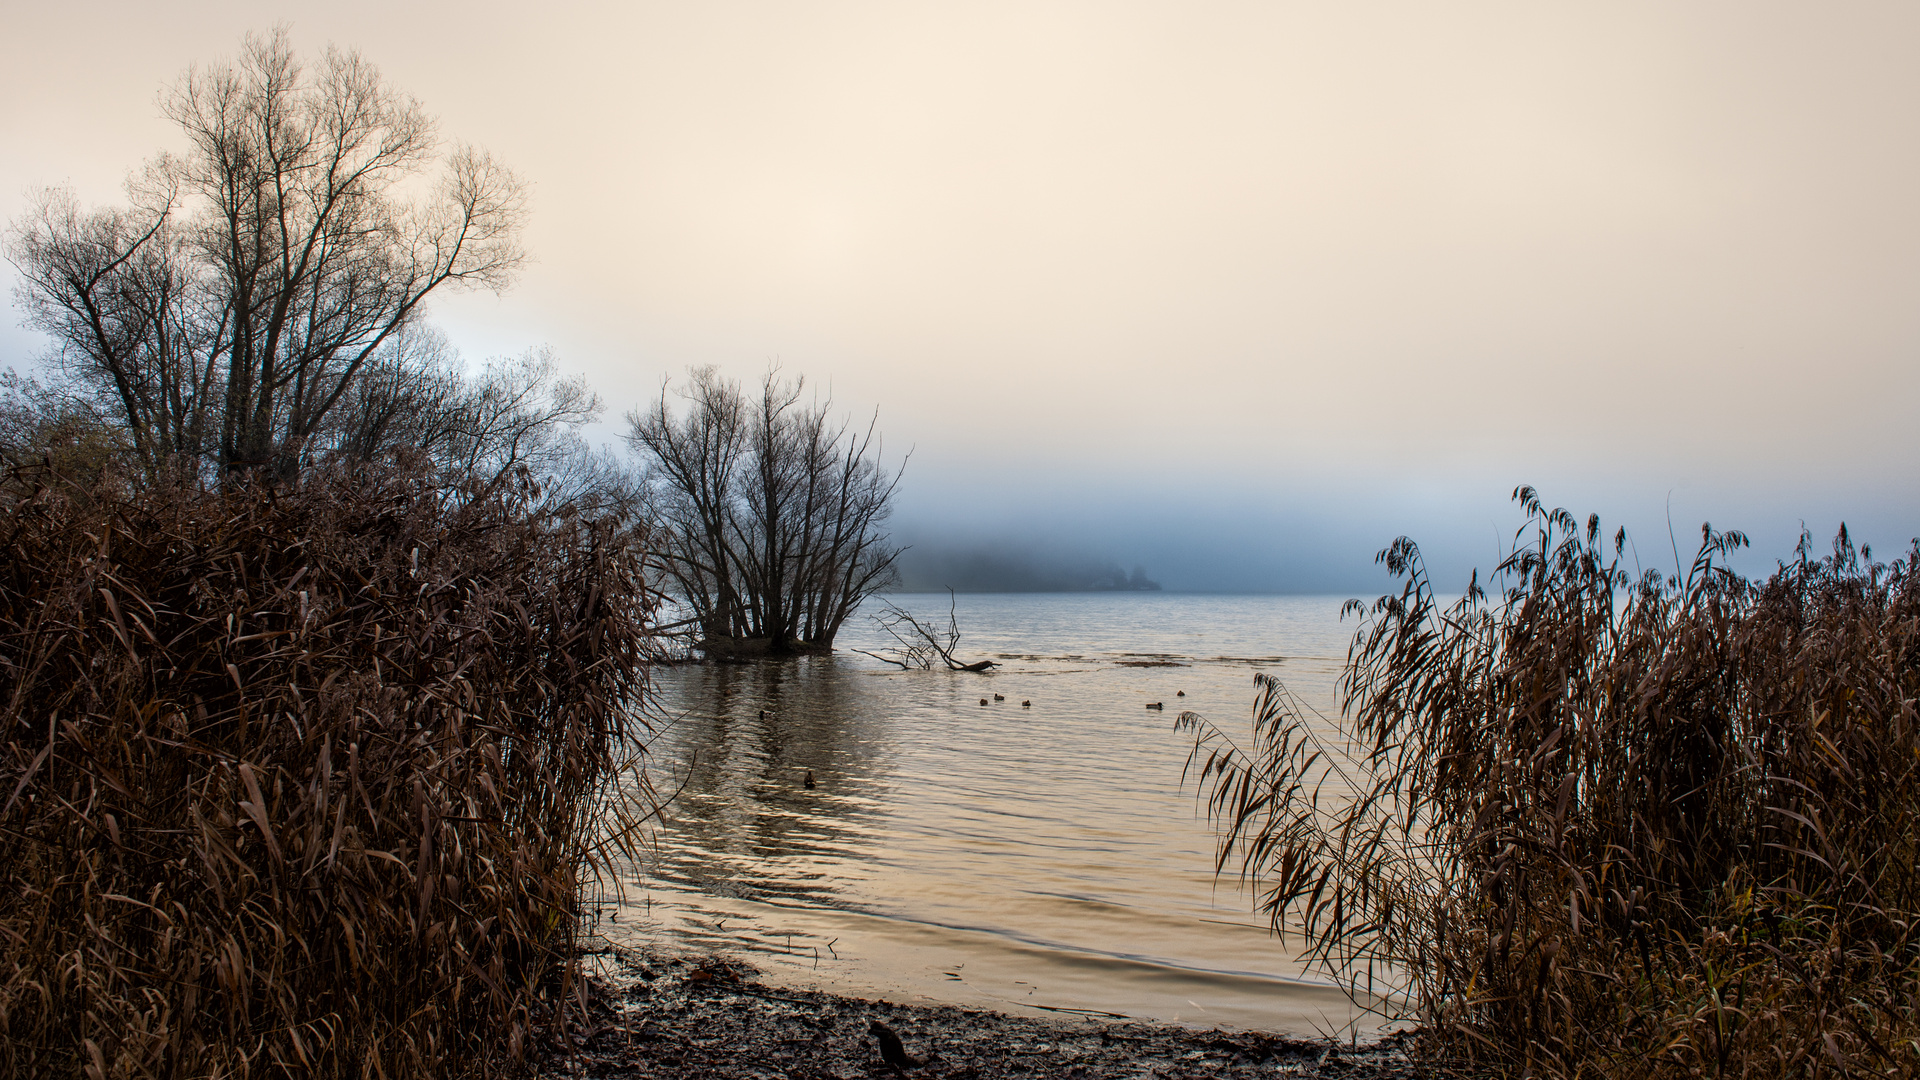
(998, 570)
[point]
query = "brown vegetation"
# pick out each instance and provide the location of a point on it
(302, 779)
(1596, 826)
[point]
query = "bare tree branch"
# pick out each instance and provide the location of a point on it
(922, 644)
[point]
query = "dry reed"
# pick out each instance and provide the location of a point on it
(1604, 826)
(302, 780)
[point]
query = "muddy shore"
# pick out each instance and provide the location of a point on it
(676, 1017)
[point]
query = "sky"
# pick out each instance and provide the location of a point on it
(1235, 291)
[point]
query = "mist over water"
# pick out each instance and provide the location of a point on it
(993, 855)
(1299, 280)
(1269, 535)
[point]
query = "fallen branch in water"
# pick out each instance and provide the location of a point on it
(921, 644)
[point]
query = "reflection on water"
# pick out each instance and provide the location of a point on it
(744, 824)
(989, 855)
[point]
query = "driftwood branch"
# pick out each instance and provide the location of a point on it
(923, 645)
(902, 664)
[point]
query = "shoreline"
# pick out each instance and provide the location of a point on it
(675, 1017)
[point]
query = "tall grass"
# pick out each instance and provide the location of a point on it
(301, 780)
(1583, 824)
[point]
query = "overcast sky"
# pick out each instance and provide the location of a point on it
(1237, 290)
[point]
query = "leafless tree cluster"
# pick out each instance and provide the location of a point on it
(260, 300)
(39, 421)
(515, 411)
(772, 513)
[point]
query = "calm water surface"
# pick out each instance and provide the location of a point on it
(990, 856)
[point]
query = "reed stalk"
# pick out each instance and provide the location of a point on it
(303, 779)
(1583, 823)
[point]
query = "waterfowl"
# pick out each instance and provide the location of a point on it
(1156, 705)
(1026, 704)
(999, 697)
(983, 701)
(1179, 693)
(808, 782)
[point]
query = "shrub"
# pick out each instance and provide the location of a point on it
(1599, 826)
(302, 779)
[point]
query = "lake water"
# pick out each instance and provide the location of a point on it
(1040, 858)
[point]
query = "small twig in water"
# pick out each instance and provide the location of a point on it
(1064, 1009)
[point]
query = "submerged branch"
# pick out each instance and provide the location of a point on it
(921, 645)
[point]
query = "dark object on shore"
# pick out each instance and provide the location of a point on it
(891, 1050)
(1026, 704)
(763, 714)
(808, 782)
(1156, 704)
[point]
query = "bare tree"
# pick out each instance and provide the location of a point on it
(41, 426)
(407, 394)
(231, 309)
(413, 394)
(116, 289)
(773, 512)
(693, 476)
(518, 411)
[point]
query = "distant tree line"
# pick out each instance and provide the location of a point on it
(994, 568)
(772, 513)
